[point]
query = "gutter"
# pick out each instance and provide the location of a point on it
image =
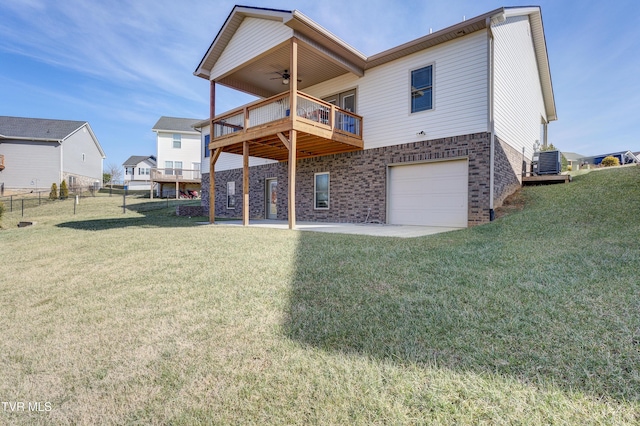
(491, 122)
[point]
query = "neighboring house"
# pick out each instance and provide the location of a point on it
(137, 172)
(178, 156)
(573, 159)
(38, 152)
(436, 131)
(625, 157)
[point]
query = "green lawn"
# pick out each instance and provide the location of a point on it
(147, 318)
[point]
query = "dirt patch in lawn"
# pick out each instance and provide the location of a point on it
(512, 204)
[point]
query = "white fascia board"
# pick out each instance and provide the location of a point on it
(325, 33)
(182, 132)
(202, 124)
(21, 138)
(230, 26)
(519, 11)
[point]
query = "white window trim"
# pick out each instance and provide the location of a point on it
(433, 88)
(174, 140)
(315, 192)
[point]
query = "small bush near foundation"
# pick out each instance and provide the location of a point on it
(53, 195)
(64, 190)
(610, 161)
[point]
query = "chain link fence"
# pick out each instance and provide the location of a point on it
(131, 200)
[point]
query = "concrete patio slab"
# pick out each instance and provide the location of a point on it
(372, 229)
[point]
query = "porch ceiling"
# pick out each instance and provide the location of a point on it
(308, 145)
(260, 77)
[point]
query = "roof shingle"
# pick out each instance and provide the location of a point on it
(37, 128)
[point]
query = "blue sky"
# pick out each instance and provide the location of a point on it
(120, 65)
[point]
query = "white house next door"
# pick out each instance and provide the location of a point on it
(430, 194)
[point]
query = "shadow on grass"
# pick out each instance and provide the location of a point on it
(469, 301)
(126, 222)
(156, 214)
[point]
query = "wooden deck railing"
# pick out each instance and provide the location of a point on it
(276, 108)
(175, 175)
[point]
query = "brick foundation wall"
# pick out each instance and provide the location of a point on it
(358, 181)
(507, 177)
(81, 181)
(192, 211)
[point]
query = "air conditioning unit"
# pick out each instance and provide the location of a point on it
(548, 163)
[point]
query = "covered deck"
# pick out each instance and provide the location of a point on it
(323, 128)
(283, 126)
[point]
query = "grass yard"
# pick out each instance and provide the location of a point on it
(147, 318)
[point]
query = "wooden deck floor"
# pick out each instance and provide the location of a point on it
(545, 179)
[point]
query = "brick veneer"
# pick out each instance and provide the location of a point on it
(358, 180)
(507, 171)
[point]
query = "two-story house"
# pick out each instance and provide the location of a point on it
(178, 158)
(37, 152)
(437, 131)
(137, 172)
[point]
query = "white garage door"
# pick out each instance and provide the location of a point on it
(432, 194)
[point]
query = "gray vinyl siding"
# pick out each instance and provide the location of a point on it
(80, 155)
(27, 162)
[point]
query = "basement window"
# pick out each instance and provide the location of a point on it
(231, 195)
(321, 191)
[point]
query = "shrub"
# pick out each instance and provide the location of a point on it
(64, 190)
(610, 161)
(53, 195)
(1, 210)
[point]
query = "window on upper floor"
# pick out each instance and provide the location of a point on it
(422, 89)
(128, 171)
(177, 140)
(207, 139)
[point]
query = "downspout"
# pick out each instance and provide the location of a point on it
(61, 175)
(491, 122)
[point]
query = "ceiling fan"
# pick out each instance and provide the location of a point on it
(285, 77)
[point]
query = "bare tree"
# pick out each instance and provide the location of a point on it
(115, 173)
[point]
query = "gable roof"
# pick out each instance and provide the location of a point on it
(134, 160)
(37, 128)
(350, 60)
(176, 124)
(303, 26)
(572, 156)
(43, 129)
